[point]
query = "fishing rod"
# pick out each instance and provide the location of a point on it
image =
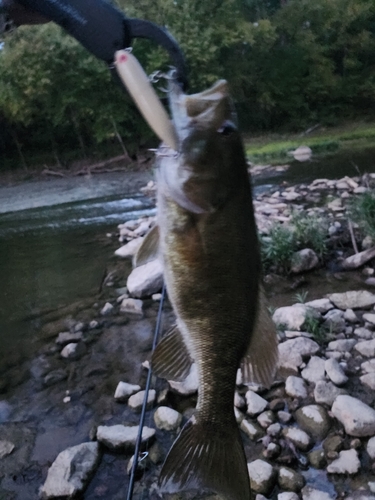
(144, 405)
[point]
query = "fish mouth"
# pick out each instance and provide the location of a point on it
(204, 110)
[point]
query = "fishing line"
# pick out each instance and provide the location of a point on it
(144, 405)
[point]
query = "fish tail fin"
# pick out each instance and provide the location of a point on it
(205, 456)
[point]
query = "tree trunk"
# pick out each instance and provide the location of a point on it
(119, 138)
(19, 147)
(78, 132)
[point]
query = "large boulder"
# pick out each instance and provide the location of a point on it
(353, 299)
(357, 417)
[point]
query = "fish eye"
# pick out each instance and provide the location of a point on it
(227, 128)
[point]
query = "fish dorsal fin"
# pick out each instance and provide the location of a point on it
(207, 456)
(260, 361)
(149, 249)
(171, 358)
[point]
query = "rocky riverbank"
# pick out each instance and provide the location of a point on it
(68, 418)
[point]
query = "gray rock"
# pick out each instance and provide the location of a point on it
(135, 401)
(321, 305)
(287, 495)
(255, 403)
(107, 309)
(121, 437)
(71, 471)
(371, 447)
(125, 390)
(292, 352)
(130, 249)
(145, 280)
(304, 260)
(189, 385)
(335, 372)
(353, 300)
(350, 315)
(251, 429)
(274, 429)
(343, 345)
(347, 463)
(364, 333)
(262, 476)
(67, 337)
(132, 306)
(167, 419)
(284, 417)
(366, 348)
(317, 459)
(357, 417)
(368, 366)
(6, 448)
(315, 370)
(359, 259)
(309, 493)
(290, 480)
(368, 380)
(74, 351)
(298, 437)
(326, 392)
(295, 387)
(334, 321)
(55, 376)
(293, 317)
(313, 419)
(370, 317)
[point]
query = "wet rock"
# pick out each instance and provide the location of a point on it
(314, 419)
(366, 348)
(107, 309)
(371, 448)
(74, 351)
(335, 372)
(167, 419)
(121, 437)
(146, 280)
(357, 417)
(304, 260)
(130, 249)
(334, 321)
(135, 402)
(326, 392)
(262, 476)
(189, 385)
(290, 480)
(292, 351)
(298, 437)
(71, 471)
(368, 380)
(287, 495)
(125, 390)
(317, 459)
(321, 305)
(309, 493)
(251, 429)
(295, 387)
(342, 345)
(315, 370)
(132, 306)
(55, 377)
(68, 337)
(255, 403)
(353, 300)
(6, 448)
(293, 317)
(347, 463)
(333, 443)
(359, 259)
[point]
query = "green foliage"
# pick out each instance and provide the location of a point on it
(301, 296)
(362, 211)
(277, 248)
(310, 232)
(318, 331)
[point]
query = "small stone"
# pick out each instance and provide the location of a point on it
(266, 419)
(309, 493)
(368, 380)
(107, 309)
(363, 333)
(326, 392)
(350, 315)
(167, 419)
(335, 372)
(124, 391)
(298, 437)
(293, 317)
(304, 260)
(146, 280)
(274, 429)
(74, 351)
(284, 417)
(315, 370)
(295, 387)
(93, 324)
(342, 345)
(366, 348)
(121, 437)
(132, 306)
(287, 495)
(67, 337)
(262, 476)
(355, 444)
(371, 448)
(321, 305)
(255, 403)
(317, 459)
(290, 479)
(67, 399)
(347, 463)
(55, 376)
(277, 404)
(155, 454)
(135, 402)
(313, 419)
(6, 448)
(156, 297)
(333, 443)
(130, 249)
(189, 385)
(334, 321)
(357, 417)
(272, 451)
(368, 366)
(251, 429)
(292, 352)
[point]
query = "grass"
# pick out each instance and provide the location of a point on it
(276, 149)
(313, 326)
(362, 211)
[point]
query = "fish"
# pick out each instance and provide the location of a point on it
(207, 239)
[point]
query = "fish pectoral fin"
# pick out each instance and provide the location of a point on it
(207, 456)
(260, 361)
(171, 358)
(149, 249)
